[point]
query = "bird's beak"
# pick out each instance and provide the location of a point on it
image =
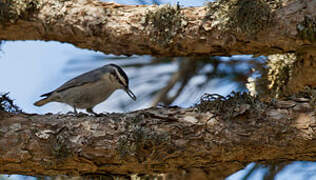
(131, 94)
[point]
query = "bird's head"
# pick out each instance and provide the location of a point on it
(121, 79)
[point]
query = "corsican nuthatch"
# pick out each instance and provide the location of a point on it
(89, 89)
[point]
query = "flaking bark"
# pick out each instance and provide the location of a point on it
(217, 137)
(222, 28)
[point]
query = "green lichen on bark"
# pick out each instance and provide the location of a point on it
(12, 10)
(60, 150)
(166, 21)
(243, 16)
(140, 141)
(60, 145)
(307, 29)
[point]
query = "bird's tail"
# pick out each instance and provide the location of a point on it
(42, 102)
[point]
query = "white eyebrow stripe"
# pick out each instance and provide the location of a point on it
(120, 77)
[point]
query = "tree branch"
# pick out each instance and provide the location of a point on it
(222, 28)
(218, 137)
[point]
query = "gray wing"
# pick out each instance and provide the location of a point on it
(88, 77)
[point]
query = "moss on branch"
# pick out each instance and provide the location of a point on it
(12, 10)
(246, 16)
(166, 21)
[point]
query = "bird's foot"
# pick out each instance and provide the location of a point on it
(90, 111)
(80, 114)
(72, 113)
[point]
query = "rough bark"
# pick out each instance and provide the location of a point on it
(259, 27)
(216, 137)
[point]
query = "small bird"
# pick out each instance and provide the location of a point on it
(89, 89)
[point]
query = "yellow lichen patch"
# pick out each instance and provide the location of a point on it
(291, 74)
(280, 70)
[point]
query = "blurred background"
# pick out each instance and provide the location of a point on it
(32, 68)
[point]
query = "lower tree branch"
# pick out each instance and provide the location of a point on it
(216, 137)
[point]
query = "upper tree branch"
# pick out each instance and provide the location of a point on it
(219, 137)
(222, 28)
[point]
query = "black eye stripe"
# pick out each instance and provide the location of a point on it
(121, 72)
(117, 78)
